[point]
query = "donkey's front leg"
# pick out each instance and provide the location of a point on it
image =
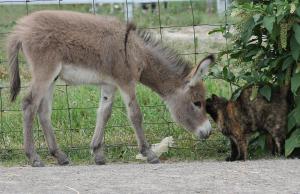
(103, 114)
(134, 114)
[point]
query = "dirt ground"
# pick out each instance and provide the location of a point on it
(261, 176)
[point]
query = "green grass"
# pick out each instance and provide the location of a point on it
(74, 121)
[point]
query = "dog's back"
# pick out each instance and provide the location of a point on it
(263, 113)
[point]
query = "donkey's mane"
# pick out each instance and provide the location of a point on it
(177, 63)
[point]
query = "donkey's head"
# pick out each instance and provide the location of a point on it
(187, 104)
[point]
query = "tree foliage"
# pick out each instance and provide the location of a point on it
(265, 50)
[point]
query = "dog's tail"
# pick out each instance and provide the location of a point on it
(285, 89)
(13, 47)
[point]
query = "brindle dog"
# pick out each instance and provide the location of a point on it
(238, 119)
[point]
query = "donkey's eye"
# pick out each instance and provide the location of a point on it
(197, 103)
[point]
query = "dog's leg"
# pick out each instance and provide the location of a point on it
(234, 151)
(279, 141)
(242, 143)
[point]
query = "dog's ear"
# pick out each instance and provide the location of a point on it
(209, 101)
(214, 97)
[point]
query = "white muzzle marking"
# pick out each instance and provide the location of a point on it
(204, 130)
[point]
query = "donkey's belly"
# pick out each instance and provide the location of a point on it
(78, 75)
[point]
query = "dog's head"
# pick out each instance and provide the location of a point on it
(215, 106)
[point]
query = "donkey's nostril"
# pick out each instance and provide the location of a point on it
(202, 135)
(204, 130)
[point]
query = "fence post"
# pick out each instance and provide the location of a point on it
(128, 11)
(222, 5)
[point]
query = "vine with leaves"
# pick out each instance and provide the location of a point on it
(265, 52)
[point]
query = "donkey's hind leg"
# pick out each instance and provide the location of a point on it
(135, 116)
(30, 106)
(44, 113)
(103, 114)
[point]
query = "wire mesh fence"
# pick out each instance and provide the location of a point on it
(178, 24)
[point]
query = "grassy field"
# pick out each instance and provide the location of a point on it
(74, 107)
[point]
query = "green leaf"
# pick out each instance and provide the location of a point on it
(297, 68)
(292, 142)
(221, 29)
(261, 141)
(298, 11)
(266, 92)
(252, 52)
(296, 28)
(294, 118)
(280, 17)
(256, 18)
(268, 22)
(287, 62)
(247, 31)
(228, 74)
(297, 100)
(254, 93)
(295, 48)
(296, 115)
(236, 94)
(291, 122)
(295, 83)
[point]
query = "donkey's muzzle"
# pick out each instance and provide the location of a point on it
(204, 131)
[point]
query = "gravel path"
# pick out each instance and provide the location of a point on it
(261, 176)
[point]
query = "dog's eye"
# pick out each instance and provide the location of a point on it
(197, 103)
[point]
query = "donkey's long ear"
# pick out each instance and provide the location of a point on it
(201, 69)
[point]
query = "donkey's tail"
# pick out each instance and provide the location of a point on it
(129, 27)
(13, 47)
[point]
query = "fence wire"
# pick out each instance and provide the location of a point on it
(10, 115)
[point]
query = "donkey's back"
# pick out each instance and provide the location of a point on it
(75, 37)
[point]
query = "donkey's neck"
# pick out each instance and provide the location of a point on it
(163, 74)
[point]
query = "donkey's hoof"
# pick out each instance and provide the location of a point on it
(99, 159)
(154, 160)
(62, 158)
(63, 161)
(151, 157)
(37, 163)
(100, 162)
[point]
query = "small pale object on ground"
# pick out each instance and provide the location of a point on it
(159, 148)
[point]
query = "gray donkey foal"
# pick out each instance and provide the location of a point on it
(87, 49)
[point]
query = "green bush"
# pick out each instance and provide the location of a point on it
(265, 50)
